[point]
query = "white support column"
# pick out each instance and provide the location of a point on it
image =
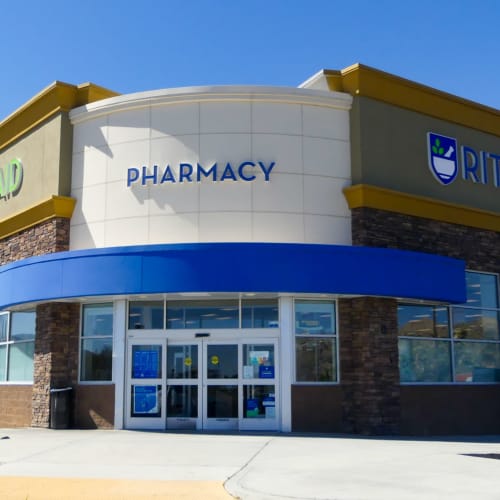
(287, 361)
(119, 329)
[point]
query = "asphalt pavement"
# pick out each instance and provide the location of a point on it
(47, 464)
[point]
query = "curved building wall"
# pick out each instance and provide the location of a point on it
(289, 157)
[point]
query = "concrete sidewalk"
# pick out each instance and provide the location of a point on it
(76, 464)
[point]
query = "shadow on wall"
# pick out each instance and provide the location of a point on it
(95, 407)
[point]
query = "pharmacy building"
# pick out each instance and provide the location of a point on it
(320, 258)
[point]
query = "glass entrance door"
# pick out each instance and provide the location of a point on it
(145, 395)
(202, 384)
(220, 385)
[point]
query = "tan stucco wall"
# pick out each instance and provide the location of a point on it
(45, 153)
(389, 150)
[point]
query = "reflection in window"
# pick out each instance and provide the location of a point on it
(97, 343)
(259, 313)
(203, 314)
(222, 401)
(182, 361)
(17, 346)
(314, 317)
(315, 341)
(222, 361)
(182, 401)
(475, 324)
(315, 359)
(423, 321)
(477, 362)
(145, 315)
(424, 360)
(471, 339)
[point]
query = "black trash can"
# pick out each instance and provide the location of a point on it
(60, 407)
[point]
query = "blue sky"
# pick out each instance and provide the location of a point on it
(129, 46)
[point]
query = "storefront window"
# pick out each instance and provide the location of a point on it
(315, 341)
(97, 343)
(457, 343)
(145, 315)
(17, 346)
(259, 313)
(212, 314)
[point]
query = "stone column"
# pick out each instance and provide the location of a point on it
(369, 368)
(56, 355)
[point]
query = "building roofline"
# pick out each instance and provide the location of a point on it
(365, 81)
(57, 97)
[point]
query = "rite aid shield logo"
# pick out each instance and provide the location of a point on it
(442, 157)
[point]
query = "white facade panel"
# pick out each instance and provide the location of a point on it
(175, 120)
(212, 164)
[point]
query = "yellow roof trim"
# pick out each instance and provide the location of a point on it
(361, 80)
(363, 195)
(53, 99)
(55, 206)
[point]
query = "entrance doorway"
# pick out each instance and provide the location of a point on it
(203, 383)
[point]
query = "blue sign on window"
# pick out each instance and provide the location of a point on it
(146, 363)
(266, 371)
(145, 400)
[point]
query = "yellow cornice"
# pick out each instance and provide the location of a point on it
(361, 80)
(363, 195)
(53, 99)
(55, 206)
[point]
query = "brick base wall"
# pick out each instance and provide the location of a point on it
(15, 405)
(95, 406)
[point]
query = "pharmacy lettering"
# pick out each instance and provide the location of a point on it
(246, 171)
(11, 178)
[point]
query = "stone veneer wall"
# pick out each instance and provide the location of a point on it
(369, 365)
(481, 251)
(15, 401)
(56, 355)
(47, 237)
(479, 248)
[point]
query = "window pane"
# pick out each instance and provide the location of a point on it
(481, 290)
(4, 323)
(147, 315)
(222, 361)
(222, 401)
(96, 359)
(21, 362)
(477, 324)
(182, 401)
(259, 401)
(22, 325)
(314, 317)
(3, 362)
(259, 313)
(146, 361)
(423, 321)
(182, 361)
(97, 320)
(258, 361)
(477, 362)
(424, 360)
(203, 314)
(315, 359)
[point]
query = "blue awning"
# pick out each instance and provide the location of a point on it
(233, 267)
